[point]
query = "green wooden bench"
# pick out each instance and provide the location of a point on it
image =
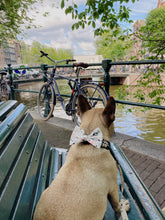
(28, 165)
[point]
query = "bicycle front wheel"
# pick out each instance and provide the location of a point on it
(46, 101)
(95, 95)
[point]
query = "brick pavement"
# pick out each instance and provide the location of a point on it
(151, 172)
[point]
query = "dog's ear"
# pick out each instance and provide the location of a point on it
(83, 105)
(109, 111)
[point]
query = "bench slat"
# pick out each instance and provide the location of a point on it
(11, 122)
(54, 165)
(9, 153)
(25, 197)
(64, 154)
(41, 182)
(6, 107)
(12, 186)
(1, 103)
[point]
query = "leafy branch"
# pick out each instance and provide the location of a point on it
(100, 10)
(13, 15)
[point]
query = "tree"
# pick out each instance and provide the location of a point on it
(35, 53)
(25, 53)
(100, 10)
(152, 33)
(111, 47)
(14, 14)
(32, 56)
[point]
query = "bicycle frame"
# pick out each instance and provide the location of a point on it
(74, 88)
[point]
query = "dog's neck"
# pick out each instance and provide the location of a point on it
(105, 144)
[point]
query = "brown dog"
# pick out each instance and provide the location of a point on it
(88, 176)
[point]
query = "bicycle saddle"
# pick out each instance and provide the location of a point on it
(3, 73)
(84, 65)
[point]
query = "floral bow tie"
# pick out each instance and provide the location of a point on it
(95, 138)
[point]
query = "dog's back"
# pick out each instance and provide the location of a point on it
(81, 186)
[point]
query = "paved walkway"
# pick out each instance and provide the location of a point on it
(150, 169)
(148, 159)
(152, 173)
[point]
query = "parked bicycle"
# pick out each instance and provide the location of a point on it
(4, 87)
(50, 92)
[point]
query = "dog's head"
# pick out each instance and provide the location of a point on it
(97, 117)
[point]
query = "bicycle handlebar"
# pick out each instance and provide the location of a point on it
(46, 55)
(43, 54)
(84, 65)
(69, 60)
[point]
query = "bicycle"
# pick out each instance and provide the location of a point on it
(49, 91)
(4, 87)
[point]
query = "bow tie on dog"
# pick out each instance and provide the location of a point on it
(95, 138)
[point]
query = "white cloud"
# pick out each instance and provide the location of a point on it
(143, 6)
(56, 29)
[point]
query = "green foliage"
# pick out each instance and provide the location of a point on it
(32, 56)
(110, 46)
(101, 10)
(149, 88)
(152, 82)
(13, 14)
(153, 33)
(122, 92)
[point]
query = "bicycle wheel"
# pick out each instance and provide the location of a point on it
(95, 95)
(5, 92)
(46, 101)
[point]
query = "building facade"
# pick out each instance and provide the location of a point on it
(89, 59)
(161, 3)
(10, 53)
(136, 26)
(137, 46)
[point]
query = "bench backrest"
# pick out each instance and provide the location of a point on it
(24, 162)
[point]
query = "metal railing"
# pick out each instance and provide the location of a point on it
(106, 65)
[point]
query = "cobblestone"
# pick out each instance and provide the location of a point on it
(152, 173)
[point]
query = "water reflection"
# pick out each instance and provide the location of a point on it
(149, 125)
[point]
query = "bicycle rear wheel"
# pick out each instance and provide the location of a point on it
(46, 101)
(95, 95)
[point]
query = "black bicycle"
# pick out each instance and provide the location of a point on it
(4, 87)
(50, 93)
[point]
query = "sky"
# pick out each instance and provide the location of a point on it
(55, 29)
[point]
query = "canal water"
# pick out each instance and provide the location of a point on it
(148, 125)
